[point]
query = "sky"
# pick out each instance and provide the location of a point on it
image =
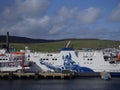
(61, 19)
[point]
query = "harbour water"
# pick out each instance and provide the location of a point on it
(74, 84)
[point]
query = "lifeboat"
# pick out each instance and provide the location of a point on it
(2, 54)
(118, 56)
(18, 53)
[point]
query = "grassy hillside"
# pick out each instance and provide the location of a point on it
(76, 44)
(17, 39)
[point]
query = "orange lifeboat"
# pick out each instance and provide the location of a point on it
(18, 53)
(118, 56)
(2, 54)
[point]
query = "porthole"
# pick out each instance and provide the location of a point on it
(56, 59)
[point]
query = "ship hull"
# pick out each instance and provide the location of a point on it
(95, 74)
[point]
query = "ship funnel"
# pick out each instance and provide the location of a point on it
(7, 41)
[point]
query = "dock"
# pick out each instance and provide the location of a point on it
(20, 75)
(86, 74)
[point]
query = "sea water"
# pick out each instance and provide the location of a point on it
(74, 84)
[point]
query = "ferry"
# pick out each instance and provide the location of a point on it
(84, 60)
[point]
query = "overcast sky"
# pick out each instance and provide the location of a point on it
(61, 19)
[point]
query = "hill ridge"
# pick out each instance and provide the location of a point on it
(18, 39)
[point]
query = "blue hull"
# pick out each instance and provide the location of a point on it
(115, 74)
(95, 74)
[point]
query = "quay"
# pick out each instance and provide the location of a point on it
(50, 75)
(87, 74)
(40, 75)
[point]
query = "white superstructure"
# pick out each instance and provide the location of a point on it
(74, 60)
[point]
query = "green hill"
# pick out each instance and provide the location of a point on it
(76, 44)
(56, 45)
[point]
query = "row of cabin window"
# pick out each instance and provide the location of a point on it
(17, 58)
(14, 59)
(48, 59)
(4, 59)
(88, 59)
(49, 55)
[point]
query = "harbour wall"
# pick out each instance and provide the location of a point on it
(50, 75)
(40, 75)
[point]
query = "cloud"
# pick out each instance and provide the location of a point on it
(90, 15)
(25, 17)
(62, 20)
(31, 8)
(30, 27)
(86, 16)
(115, 15)
(29, 18)
(67, 19)
(25, 9)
